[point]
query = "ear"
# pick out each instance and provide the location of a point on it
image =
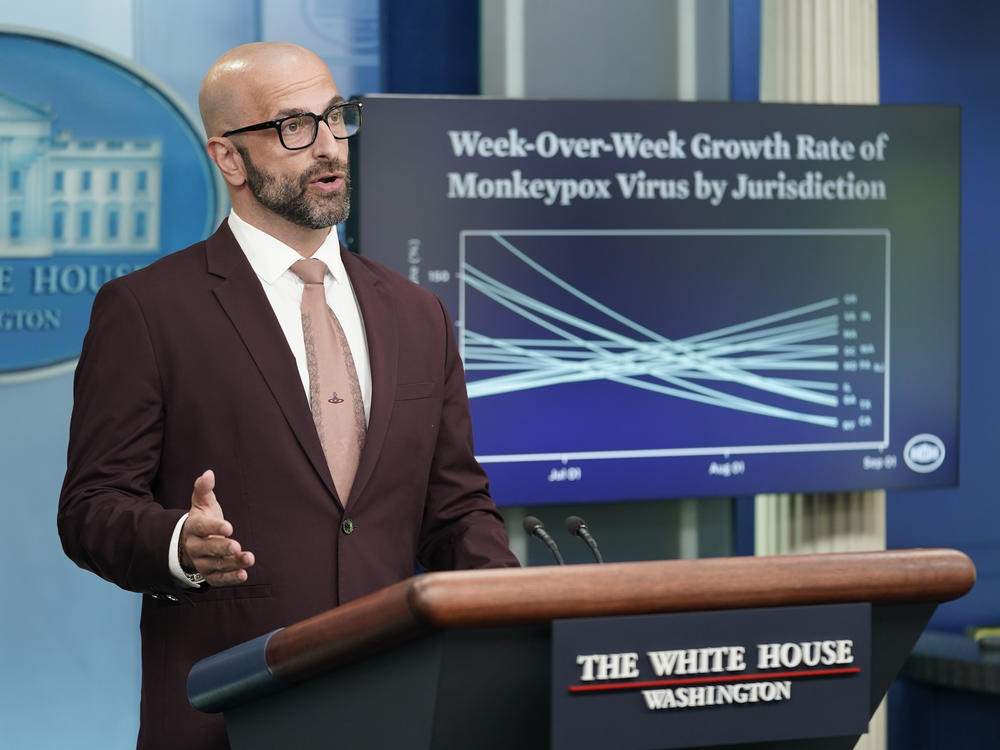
(227, 159)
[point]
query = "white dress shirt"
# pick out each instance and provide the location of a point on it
(271, 260)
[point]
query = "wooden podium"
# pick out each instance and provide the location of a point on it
(459, 660)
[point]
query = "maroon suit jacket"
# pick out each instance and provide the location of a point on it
(185, 368)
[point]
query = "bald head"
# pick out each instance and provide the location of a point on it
(241, 85)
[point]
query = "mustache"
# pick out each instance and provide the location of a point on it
(325, 168)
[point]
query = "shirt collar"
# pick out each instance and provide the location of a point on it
(270, 257)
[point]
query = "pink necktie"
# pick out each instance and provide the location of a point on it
(334, 391)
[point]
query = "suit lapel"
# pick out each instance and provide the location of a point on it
(244, 302)
(378, 315)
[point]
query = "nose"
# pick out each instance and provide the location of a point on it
(326, 146)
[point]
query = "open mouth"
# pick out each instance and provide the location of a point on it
(327, 183)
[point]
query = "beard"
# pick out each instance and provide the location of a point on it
(289, 198)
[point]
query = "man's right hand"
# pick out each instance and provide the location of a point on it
(205, 543)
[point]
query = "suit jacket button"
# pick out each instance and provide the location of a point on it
(347, 526)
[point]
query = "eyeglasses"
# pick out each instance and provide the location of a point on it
(299, 131)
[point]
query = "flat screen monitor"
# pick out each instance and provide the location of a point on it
(658, 299)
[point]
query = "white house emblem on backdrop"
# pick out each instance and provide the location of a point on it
(102, 170)
(73, 194)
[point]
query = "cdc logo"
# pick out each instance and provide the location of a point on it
(924, 453)
(101, 172)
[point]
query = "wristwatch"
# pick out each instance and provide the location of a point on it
(196, 578)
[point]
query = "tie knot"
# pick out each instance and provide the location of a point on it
(310, 270)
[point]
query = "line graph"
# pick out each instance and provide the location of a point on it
(556, 339)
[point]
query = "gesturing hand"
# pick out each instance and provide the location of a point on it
(205, 543)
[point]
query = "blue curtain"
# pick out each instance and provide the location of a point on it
(430, 47)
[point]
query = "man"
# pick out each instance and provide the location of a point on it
(198, 368)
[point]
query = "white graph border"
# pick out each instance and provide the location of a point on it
(722, 450)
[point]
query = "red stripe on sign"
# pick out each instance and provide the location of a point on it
(721, 678)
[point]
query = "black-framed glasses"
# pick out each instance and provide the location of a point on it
(299, 131)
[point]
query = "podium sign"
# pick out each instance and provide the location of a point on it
(710, 678)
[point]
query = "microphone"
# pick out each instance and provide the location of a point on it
(578, 527)
(537, 529)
